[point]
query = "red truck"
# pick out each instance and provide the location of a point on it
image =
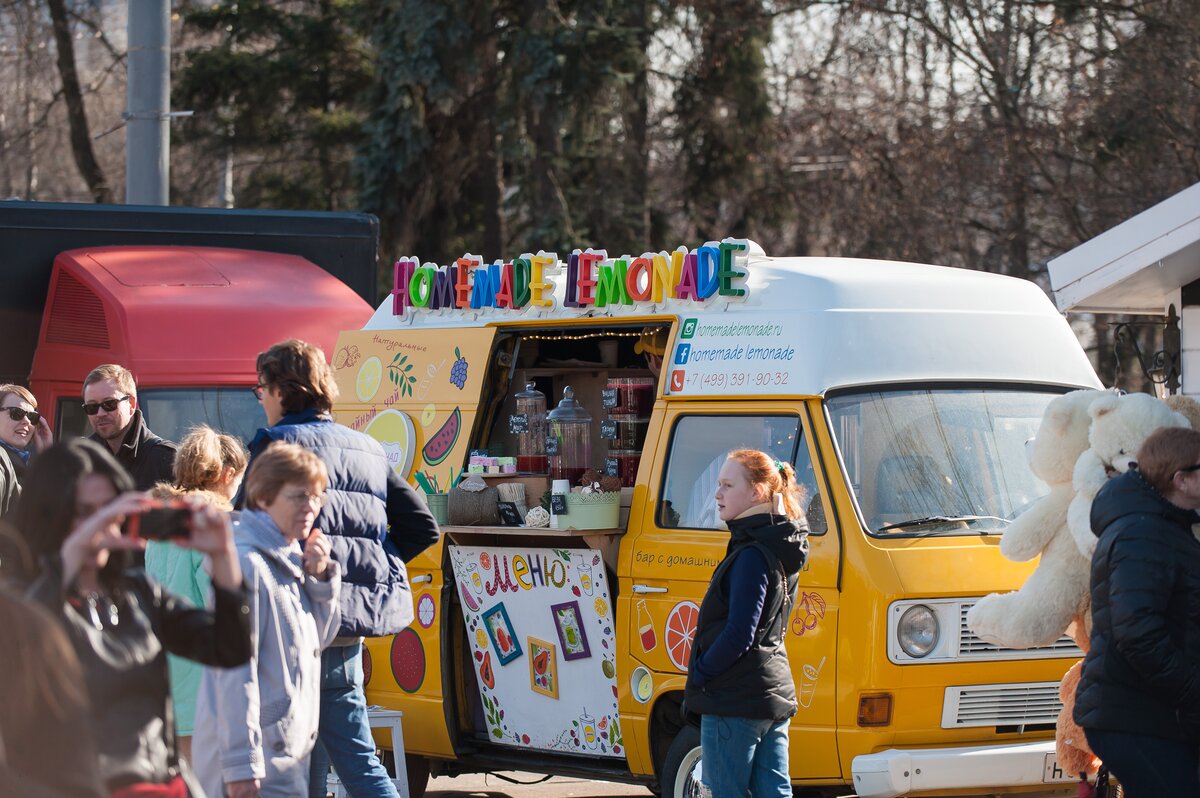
(185, 298)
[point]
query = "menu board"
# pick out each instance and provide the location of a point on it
(541, 631)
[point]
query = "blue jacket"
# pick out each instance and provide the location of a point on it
(374, 519)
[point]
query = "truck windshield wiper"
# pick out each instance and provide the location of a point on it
(930, 520)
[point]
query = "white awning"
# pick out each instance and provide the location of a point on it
(1137, 266)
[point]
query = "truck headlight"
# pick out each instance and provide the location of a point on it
(917, 631)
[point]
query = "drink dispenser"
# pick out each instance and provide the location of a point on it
(571, 435)
(531, 442)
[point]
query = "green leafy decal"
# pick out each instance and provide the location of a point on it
(398, 373)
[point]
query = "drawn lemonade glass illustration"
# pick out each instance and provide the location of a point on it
(588, 725)
(646, 627)
(808, 684)
(585, 574)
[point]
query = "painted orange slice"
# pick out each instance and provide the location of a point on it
(681, 628)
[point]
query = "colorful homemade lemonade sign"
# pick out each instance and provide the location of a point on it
(592, 280)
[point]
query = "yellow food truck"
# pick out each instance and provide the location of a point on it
(903, 395)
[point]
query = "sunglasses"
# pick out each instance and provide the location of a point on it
(16, 414)
(258, 389)
(1195, 467)
(109, 405)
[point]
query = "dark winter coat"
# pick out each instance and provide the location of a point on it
(1142, 675)
(122, 642)
(147, 458)
(758, 684)
(374, 519)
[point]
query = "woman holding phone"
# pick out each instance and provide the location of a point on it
(121, 622)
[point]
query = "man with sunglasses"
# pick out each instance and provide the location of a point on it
(110, 402)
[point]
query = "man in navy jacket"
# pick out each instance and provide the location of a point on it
(375, 522)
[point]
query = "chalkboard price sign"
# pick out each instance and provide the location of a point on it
(551, 445)
(518, 423)
(610, 467)
(608, 397)
(509, 514)
(608, 429)
(558, 504)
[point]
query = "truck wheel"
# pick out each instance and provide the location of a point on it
(417, 768)
(677, 775)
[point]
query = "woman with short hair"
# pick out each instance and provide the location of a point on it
(256, 724)
(1138, 699)
(23, 430)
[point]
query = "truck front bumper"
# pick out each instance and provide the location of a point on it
(896, 772)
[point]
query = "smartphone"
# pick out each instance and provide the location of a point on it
(164, 521)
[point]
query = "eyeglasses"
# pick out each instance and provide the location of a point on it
(258, 389)
(16, 414)
(1195, 467)
(318, 499)
(109, 405)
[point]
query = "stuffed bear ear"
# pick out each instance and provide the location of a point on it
(1103, 406)
(1058, 416)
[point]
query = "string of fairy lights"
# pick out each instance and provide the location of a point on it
(583, 336)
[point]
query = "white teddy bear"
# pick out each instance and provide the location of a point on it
(1057, 590)
(1120, 424)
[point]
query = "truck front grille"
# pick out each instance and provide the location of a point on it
(971, 647)
(1028, 704)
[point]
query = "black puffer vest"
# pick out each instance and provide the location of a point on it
(759, 684)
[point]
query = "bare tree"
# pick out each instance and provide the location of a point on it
(81, 140)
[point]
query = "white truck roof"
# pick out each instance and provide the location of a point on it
(855, 322)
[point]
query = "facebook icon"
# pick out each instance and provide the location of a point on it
(681, 354)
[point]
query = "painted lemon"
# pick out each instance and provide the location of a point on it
(601, 607)
(428, 414)
(395, 432)
(481, 638)
(609, 670)
(370, 375)
(642, 684)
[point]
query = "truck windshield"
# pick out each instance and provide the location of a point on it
(171, 412)
(939, 462)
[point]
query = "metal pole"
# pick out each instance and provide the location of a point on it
(148, 100)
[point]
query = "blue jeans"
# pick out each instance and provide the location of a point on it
(344, 737)
(1147, 767)
(745, 756)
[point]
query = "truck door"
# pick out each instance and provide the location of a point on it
(416, 391)
(679, 540)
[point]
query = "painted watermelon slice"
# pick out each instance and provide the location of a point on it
(441, 442)
(408, 661)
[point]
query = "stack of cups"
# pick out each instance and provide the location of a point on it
(560, 487)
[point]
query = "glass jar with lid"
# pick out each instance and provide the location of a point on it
(570, 439)
(531, 434)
